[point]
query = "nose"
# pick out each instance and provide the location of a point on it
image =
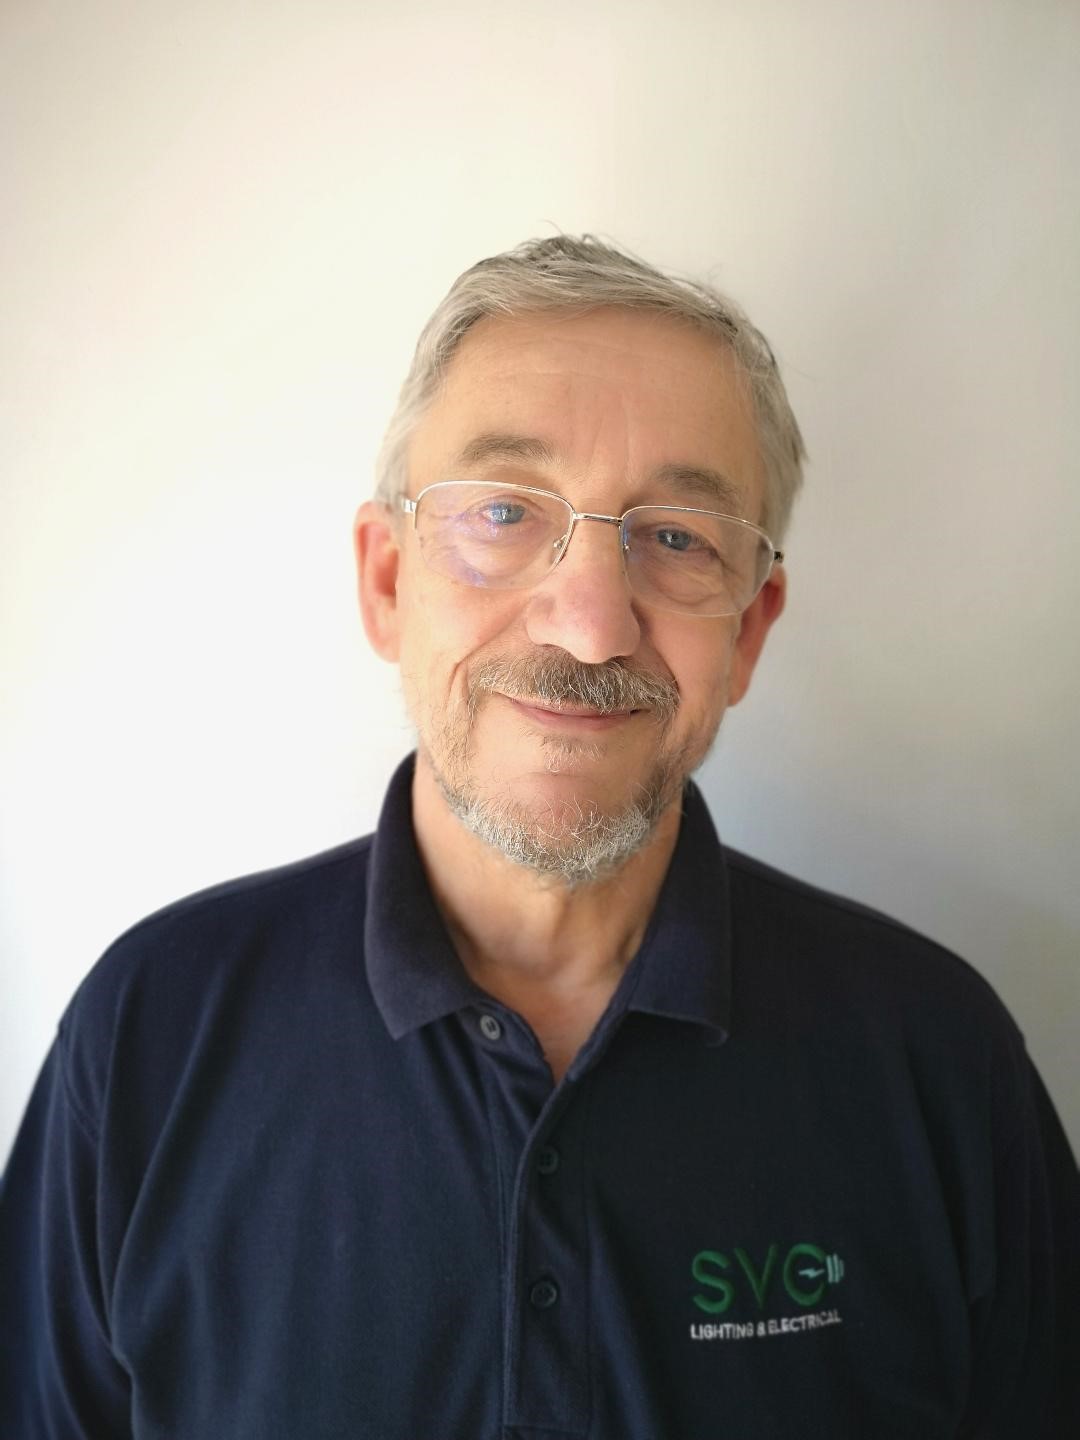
(584, 606)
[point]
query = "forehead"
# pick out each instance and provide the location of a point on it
(609, 395)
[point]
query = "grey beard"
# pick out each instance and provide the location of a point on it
(578, 845)
(568, 844)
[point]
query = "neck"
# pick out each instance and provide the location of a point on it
(553, 953)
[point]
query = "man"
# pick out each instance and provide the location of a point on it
(537, 1114)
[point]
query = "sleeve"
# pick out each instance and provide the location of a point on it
(58, 1377)
(1026, 1374)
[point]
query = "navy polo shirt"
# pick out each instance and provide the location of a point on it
(289, 1175)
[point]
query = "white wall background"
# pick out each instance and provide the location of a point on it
(223, 224)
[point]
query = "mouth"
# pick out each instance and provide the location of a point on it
(571, 717)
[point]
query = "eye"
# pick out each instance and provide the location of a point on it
(679, 540)
(503, 512)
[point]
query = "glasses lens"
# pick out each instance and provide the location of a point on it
(483, 533)
(693, 562)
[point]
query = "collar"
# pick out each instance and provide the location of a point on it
(681, 972)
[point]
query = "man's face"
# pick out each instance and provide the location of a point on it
(624, 406)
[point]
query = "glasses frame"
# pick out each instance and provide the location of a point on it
(411, 507)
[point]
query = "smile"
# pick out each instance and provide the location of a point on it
(562, 717)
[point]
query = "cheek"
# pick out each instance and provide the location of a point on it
(447, 627)
(703, 674)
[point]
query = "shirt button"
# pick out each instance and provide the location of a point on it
(490, 1027)
(547, 1160)
(544, 1294)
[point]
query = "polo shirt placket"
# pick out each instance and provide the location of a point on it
(538, 1131)
(543, 1235)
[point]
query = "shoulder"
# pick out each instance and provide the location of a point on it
(840, 936)
(894, 1018)
(304, 894)
(871, 984)
(223, 949)
(249, 896)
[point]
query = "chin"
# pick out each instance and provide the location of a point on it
(575, 818)
(570, 838)
(571, 757)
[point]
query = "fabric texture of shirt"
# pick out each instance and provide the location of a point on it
(288, 1174)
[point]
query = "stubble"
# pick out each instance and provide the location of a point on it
(568, 842)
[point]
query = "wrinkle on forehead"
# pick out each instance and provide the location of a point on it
(611, 392)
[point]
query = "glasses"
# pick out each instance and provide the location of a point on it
(509, 537)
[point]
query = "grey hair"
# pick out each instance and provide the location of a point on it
(578, 273)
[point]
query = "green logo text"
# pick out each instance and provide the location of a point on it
(805, 1272)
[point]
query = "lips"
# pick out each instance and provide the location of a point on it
(552, 685)
(567, 710)
(545, 713)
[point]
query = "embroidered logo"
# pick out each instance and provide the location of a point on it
(751, 1291)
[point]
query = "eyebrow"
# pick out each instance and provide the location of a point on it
(701, 483)
(693, 482)
(524, 448)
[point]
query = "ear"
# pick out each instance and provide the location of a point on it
(754, 625)
(378, 556)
